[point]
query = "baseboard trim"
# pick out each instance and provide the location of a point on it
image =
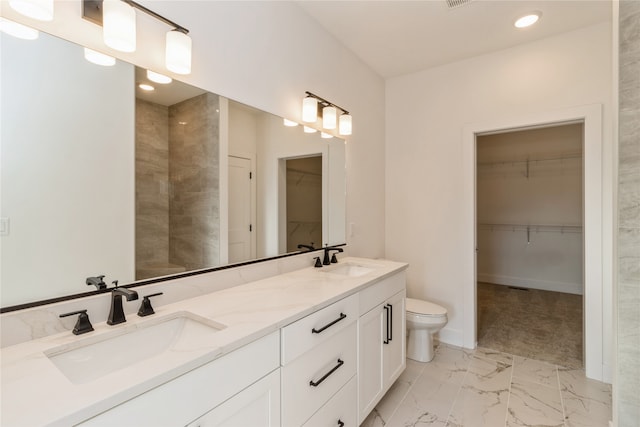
(523, 282)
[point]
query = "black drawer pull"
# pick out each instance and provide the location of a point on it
(340, 423)
(328, 325)
(386, 336)
(325, 376)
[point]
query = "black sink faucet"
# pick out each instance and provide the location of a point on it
(116, 314)
(97, 281)
(328, 249)
(309, 248)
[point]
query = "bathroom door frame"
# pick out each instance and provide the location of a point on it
(594, 295)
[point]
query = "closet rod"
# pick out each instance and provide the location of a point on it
(544, 159)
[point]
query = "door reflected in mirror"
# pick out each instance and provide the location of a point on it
(101, 177)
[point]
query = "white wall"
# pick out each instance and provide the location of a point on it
(267, 54)
(426, 114)
(53, 208)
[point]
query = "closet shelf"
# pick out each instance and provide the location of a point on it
(527, 163)
(537, 228)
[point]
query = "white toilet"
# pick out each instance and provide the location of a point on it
(424, 319)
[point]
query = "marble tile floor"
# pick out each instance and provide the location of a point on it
(486, 388)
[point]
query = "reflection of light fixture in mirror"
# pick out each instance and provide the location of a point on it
(326, 135)
(309, 109)
(178, 52)
(329, 114)
(146, 87)
(118, 19)
(345, 125)
(158, 78)
(119, 25)
(98, 58)
(42, 10)
(182, 123)
(18, 30)
(289, 123)
(527, 20)
(329, 117)
(308, 129)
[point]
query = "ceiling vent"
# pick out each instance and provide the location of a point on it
(452, 4)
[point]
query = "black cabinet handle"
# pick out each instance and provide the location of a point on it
(386, 336)
(390, 322)
(340, 423)
(325, 376)
(328, 325)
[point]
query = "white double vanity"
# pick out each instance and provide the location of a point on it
(312, 347)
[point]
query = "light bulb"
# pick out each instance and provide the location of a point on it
(178, 52)
(329, 117)
(42, 10)
(309, 109)
(158, 78)
(98, 58)
(18, 30)
(119, 25)
(345, 124)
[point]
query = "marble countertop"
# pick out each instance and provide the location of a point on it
(35, 392)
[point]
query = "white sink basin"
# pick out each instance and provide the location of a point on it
(349, 269)
(91, 358)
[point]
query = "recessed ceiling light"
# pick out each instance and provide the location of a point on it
(289, 123)
(528, 20)
(158, 78)
(308, 129)
(146, 87)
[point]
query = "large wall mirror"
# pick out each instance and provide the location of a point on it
(99, 176)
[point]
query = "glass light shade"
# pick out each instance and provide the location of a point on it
(18, 30)
(329, 117)
(98, 58)
(289, 123)
(158, 78)
(326, 135)
(527, 20)
(119, 25)
(345, 125)
(178, 52)
(42, 10)
(308, 129)
(309, 109)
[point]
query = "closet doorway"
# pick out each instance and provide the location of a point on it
(530, 246)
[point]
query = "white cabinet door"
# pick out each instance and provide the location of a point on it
(370, 368)
(257, 405)
(394, 355)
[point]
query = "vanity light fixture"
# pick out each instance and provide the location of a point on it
(98, 58)
(289, 123)
(328, 112)
(158, 78)
(42, 10)
(308, 129)
(528, 20)
(118, 19)
(146, 87)
(18, 30)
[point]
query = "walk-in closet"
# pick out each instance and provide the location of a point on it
(529, 211)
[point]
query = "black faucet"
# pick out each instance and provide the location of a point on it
(97, 282)
(116, 314)
(334, 260)
(309, 248)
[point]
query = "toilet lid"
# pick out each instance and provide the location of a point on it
(425, 308)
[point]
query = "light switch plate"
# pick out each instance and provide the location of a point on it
(4, 226)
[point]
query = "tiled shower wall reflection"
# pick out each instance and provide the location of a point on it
(628, 379)
(177, 188)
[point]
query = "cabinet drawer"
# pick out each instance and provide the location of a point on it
(339, 411)
(306, 333)
(329, 367)
(377, 293)
(182, 400)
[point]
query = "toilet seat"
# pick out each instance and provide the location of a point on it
(423, 308)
